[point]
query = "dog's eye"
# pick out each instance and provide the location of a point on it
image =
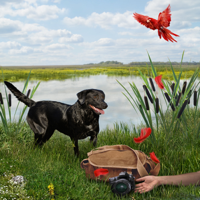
(95, 97)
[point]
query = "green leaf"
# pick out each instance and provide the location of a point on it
(152, 67)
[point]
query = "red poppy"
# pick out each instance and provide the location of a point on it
(145, 132)
(159, 82)
(100, 171)
(153, 157)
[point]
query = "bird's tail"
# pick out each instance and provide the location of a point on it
(20, 96)
(166, 34)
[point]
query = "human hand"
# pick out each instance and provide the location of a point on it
(150, 182)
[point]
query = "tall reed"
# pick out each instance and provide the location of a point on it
(181, 101)
(7, 122)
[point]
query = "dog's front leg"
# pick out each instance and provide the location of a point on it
(76, 150)
(94, 140)
(75, 144)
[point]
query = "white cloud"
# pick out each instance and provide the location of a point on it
(73, 39)
(9, 45)
(8, 26)
(31, 10)
(56, 1)
(57, 46)
(34, 34)
(156, 6)
(44, 1)
(125, 33)
(16, 27)
(190, 37)
(43, 12)
(47, 36)
(2, 2)
(22, 32)
(23, 50)
(37, 40)
(105, 20)
(55, 33)
(104, 42)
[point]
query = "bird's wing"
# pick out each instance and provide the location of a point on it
(142, 19)
(164, 17)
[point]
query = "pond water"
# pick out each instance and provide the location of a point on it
(119, 108)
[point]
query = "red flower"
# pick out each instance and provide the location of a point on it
(153, 157)
(100, 171)
(145, 132)
(159, 82)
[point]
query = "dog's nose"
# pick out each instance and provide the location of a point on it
(106, 105)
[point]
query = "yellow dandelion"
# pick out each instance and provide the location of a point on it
(51, 189)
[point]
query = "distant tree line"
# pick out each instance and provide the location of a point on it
(144, 63)
(107, 63)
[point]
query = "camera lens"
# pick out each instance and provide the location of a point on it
(121, 187)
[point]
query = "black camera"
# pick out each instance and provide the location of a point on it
(122, 184)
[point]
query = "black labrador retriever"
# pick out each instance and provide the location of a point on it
(78, 121)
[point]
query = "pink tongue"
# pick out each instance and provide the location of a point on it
(96, 109)
(101, 111)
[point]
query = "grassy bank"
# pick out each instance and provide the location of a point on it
(55, 163)
(61, 73)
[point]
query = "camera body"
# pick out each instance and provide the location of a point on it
(122, 184)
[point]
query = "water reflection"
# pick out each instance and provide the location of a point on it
(119, 108)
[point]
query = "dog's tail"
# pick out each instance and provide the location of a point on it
(20, 96)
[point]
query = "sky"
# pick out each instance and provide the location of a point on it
(63, 32)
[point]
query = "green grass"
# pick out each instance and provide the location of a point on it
(55, 163)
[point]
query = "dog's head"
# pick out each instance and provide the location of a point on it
(94, 98)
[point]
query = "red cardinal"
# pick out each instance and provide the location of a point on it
(163, 21)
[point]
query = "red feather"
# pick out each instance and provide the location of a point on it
(153, 157)
(164, 19)
(100, 171)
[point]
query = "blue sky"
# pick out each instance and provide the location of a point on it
(61, 32)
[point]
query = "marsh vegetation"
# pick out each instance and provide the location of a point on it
(68, 72)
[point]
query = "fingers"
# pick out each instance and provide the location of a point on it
(139, 186)
(141, 190)
(140, 179)
(144, 187)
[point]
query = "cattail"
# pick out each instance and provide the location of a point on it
(189, 93)
(9, 100)
(182, 108)
(146, 102)
(168, 99)
(147, 92)
(28, 92)
(152, 85)
(172, 87)
(179, 96)
(1, 99)
(195, 98)
(157, 105)
(184, 87)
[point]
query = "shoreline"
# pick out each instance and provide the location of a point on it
(87, 66)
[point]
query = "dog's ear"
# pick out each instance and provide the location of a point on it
(81, 96)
